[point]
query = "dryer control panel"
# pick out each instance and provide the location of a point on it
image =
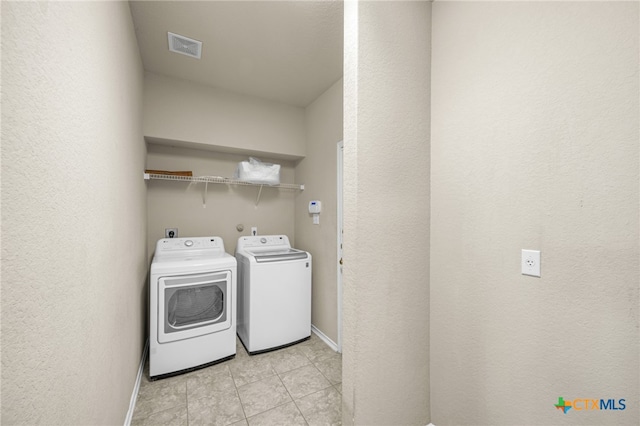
(178, 244)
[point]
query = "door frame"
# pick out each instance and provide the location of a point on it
(339, 223)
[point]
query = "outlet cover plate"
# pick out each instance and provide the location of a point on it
(531, 262)
(171, 232)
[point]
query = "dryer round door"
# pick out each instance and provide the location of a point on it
(193, 305)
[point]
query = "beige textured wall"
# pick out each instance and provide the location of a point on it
(318, 172)
(535, 146)
(208, 118)
(73, 213)
(180, 204)
(386, 214)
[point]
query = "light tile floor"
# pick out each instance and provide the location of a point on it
(298, 385)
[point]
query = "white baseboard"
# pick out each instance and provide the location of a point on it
(136, 387)
(324, 338)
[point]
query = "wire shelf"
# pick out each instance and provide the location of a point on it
(219, 179)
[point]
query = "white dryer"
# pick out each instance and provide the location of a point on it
(274, 293)
(192, 302)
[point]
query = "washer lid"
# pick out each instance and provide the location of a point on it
(277, 255)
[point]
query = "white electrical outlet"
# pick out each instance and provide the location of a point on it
(171, 232)
(254, 230)
(531, 262)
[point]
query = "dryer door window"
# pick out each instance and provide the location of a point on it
(194, 305)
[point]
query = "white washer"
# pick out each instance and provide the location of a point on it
(192, 302)
(274, 293)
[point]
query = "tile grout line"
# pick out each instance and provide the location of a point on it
(235, 385)
(312, 393)
(149, 399)
(186, 397)
(279, 405)
(331, 385)
(290, 396)
(287, 390)
(325, 376)
(256, 360)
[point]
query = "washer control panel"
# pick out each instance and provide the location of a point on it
(264, 241)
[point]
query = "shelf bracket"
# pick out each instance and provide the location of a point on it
(259, 193)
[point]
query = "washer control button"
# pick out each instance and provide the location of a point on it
(263, 240)
(188, 243)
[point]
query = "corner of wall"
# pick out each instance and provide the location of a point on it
(386, 272)
(318, 172)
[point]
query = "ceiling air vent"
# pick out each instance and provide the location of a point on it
(185, 45)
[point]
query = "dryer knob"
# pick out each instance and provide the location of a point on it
(188, 243)
(263, 240)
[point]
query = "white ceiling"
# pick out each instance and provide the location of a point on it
(286, 51)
